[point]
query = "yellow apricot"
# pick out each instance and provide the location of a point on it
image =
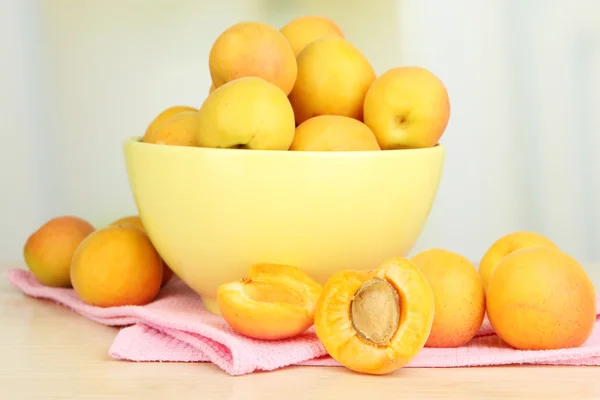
(505, 246)
(541, 299)
(334, 133)
(459, 297)
(162, 117)
(377, 321)
(333, 79)
(303, 30)
(179, 130)
(272, 302)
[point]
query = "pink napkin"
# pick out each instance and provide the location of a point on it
(175, 327)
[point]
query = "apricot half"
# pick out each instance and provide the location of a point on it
(376, 321)
(272, 302)
(541, 299)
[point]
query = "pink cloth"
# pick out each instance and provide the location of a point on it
(175, 327)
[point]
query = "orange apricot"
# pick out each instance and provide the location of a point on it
(163, 116)
(49, 250)
(116, 266)
(541, 299)
(377, 321)
(272, 302)
(333, 133)
(129, 220)
(458, 294)
(506, 245)
(134, 220)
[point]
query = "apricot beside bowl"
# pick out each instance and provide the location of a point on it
(212, 213)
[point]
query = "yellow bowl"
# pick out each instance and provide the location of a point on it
(211, 213)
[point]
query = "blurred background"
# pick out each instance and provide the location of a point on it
(77, 77)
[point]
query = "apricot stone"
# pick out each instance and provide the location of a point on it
(49, 250)
(541, 299)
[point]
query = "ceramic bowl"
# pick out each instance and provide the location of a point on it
(211, 213)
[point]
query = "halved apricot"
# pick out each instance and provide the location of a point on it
(272, 302)
(376, 321)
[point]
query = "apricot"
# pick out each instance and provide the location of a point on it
(49, 250)
(137, 222)
(253, 49)
(129, 220)
(179, 130)
(506, 245)
(303, 30)
(248, 113)
(162, 117)
(407, 107)
(541, 299)
(333, 133)
(272, 302)
(333, 78)
(376, 321)
(116, 266)
(458, 294)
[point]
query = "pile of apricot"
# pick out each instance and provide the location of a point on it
(536, 297)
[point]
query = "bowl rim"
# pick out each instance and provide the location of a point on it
(136, 141)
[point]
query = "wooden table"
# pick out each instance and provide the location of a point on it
(49, 352)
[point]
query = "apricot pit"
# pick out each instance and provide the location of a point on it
(375, 321)
(375, 294)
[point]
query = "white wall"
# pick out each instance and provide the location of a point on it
(524, 81)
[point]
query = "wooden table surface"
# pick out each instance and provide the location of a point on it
(49, 352)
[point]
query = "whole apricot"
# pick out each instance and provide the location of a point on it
(376, 321)
(116, 266)
(49, 250)
(333, 133)
(333, 78)
(179, 130)
(506, 245)
(303, 30)
(407, 107)
(253, 49)
(248, 113)
(272, 302)
(129, 220)
(541, 299)
(135, 220)
(459, 297)
(162, 117)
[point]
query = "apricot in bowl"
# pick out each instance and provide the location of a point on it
(212, 213)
